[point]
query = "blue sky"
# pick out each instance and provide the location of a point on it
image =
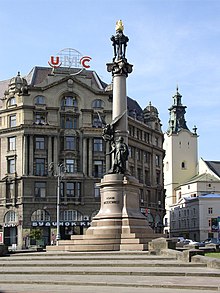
(171, 42)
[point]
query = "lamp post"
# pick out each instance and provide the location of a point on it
(58, 171)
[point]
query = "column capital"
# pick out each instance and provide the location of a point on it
(120, 67)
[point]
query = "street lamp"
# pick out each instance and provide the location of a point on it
(58, 171)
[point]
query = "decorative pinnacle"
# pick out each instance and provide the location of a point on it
(119, 26)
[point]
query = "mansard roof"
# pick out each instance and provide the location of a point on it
(36, 77)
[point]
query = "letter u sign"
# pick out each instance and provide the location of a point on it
(54, 61)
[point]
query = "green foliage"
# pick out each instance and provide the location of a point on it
(36, 234)
(213, 254)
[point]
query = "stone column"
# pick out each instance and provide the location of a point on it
(24, 156)
(90, 157)
(55, 158)
(31, 156)
(85, 156)
(49, 150)
(120, 104)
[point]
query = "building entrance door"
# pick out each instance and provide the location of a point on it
(10, 235)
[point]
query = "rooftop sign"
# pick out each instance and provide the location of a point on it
(70, 58)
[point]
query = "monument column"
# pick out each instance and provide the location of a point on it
(119, 216)
(119, 224)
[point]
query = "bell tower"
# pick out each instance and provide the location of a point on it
(181, 153)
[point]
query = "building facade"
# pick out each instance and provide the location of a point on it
(196, 218)
(53, 117)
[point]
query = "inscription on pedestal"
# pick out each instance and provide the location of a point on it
(111, 200)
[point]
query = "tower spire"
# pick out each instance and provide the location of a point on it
(177, 114)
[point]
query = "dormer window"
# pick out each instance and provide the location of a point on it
(69, 101)
(39, 100)
(98, 103)
(11, 102)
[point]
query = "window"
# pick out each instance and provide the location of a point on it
(139, 155)
(39, 100)
(210, 211)
(11, 165)
(40, 118)
(70, 143)
(12, 101)
(73, 190)
(12, 121)
(139, 174)
(40, 143)
(69, 122)
(10, 216)
(98, 104)
(138, 134)
(69, 101)
(96, 191)
(158, 178)
(98, 169)
(40, 215)
(12, 143)
(132, 152)
(157, 160)
(62, 191)
(71, 165)
(98, 145)
(40, 167)
(69, 189)
(10, 191)
(71, 215)
(96, 121)
(146, 137)
(78, 189)
(40, 189)
(183, 165)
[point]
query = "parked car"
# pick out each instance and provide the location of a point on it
(211, 240)
(190, 242)
(183, 242)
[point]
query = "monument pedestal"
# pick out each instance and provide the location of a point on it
(119, 225)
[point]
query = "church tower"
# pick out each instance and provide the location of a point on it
(181, 154)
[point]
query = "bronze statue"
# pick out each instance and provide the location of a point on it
(121, 152)
(119, 147)
(119, 42)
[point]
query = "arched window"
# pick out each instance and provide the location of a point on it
(10, 216)
(39, 100)
(11, 101)
(40, 215)
(69, 101)
(71, 215)
(98, 103)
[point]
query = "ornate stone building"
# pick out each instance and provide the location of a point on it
(53, 115)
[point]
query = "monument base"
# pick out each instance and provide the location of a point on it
(119, 225)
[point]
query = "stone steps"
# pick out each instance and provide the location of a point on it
(104, 272)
